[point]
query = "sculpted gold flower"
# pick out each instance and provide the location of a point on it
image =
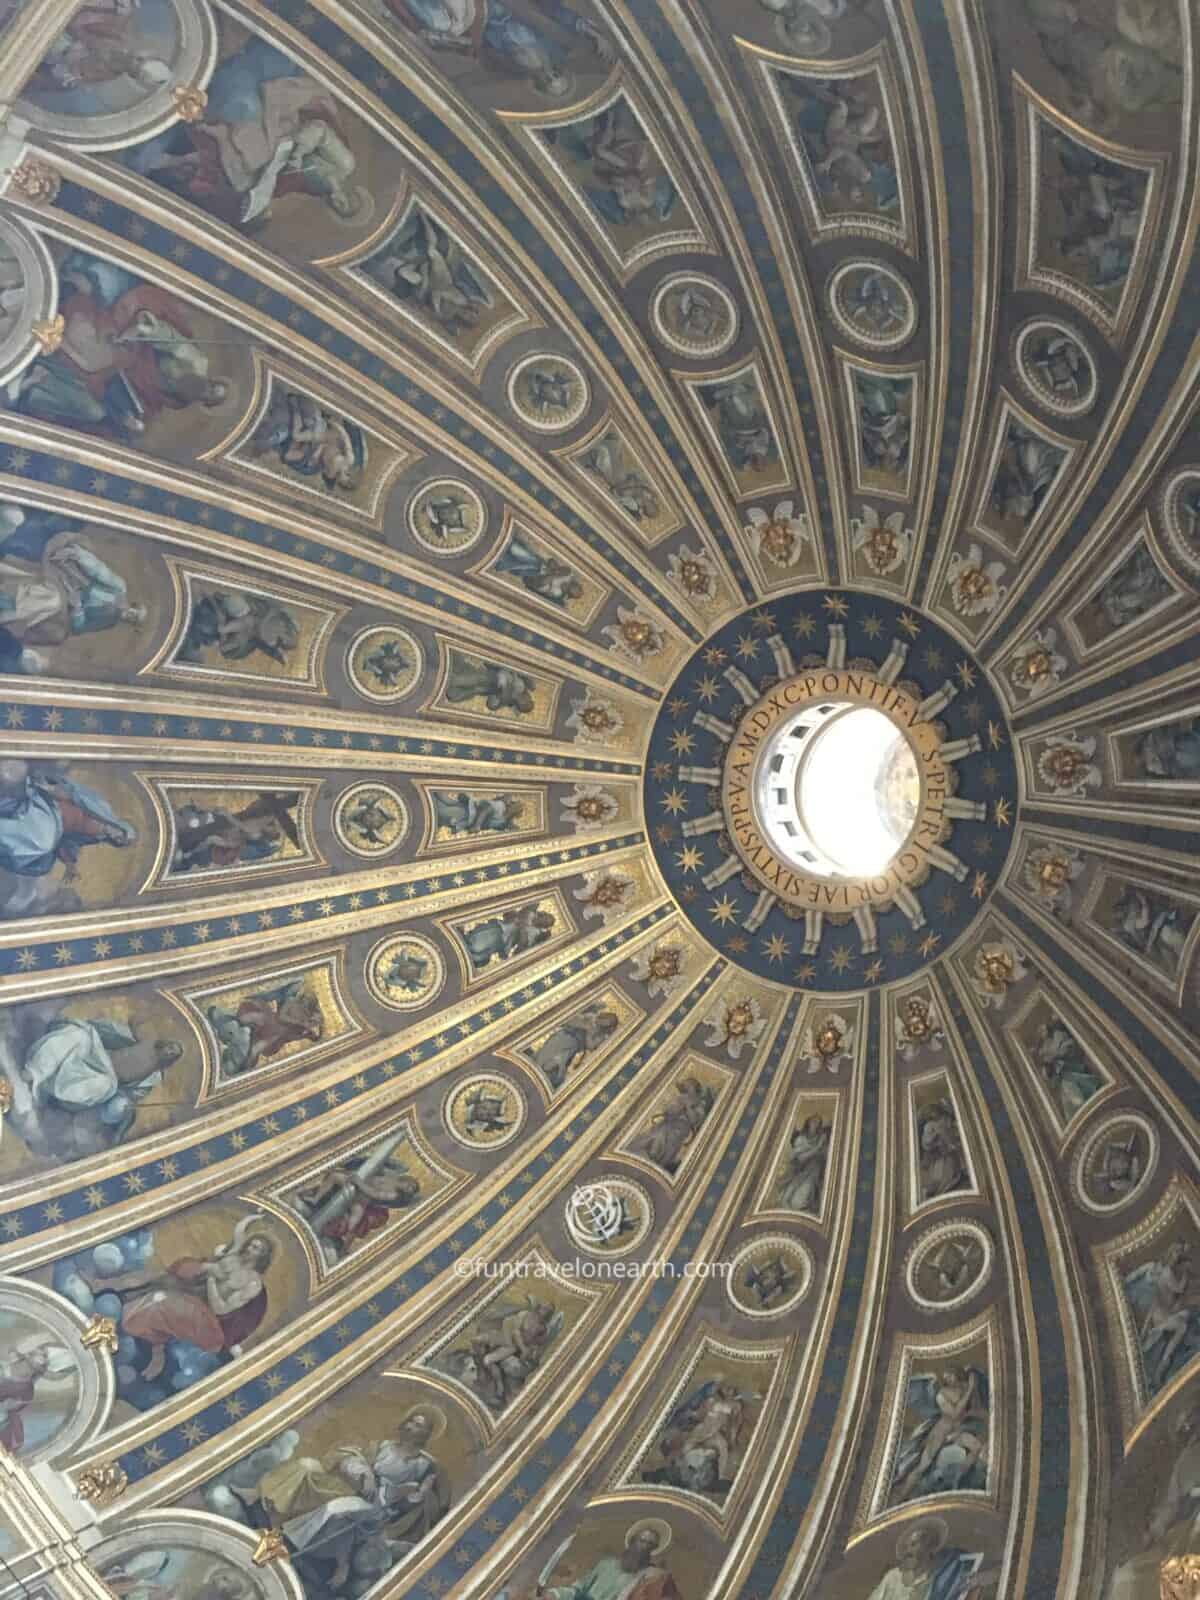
(975, 586)
(1066, 765)
(780, 536)
(190, 102)
(996, 967)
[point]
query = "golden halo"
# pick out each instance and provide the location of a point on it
(435, 1414)
(661, 1529)
(939, 1527)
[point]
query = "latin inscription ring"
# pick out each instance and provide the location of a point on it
(752, 737)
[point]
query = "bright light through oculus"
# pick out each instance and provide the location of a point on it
(858, 791)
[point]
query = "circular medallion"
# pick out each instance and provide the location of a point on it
(369, 819)
(447, 517)
(769, 1276)
(384, 664)
(41, 1335)
(1115, 1163)
(833, 790)
(548, 393)
(404, 973)
(694, 315)
(484, 1112)
(28, 299)
(609, 1217)
(1181, 518)
(1056, 367)
(119, 73)
(872, 305)
(948, 1266)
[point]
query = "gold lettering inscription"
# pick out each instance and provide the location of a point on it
(758, 725)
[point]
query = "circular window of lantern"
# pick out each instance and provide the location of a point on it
(833, 777)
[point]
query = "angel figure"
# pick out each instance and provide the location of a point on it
(941, 1157)
(626, 188)
(543, 575)
(947, 1450)
(215, 1303)
(1163, 1294)
(885, 427)
(701, 1443)
(423, 266)
(465, 815)
(208, 837)
(1171, 751)
(627, 484)
(503, 1348)
(238, 625)
(508, 933)
(1152, 926)
(742, 424)
(265, 1024)
(1134, 589)
(803, 1178)
(355, 1198)
(1102, 204)
(1027, 468)
(1069, 1074)
(312, 441)
(674, 1127)
(573, 1039)
(849, 144)
(501, 688)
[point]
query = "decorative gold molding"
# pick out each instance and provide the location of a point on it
(190, 102)
(1180, 1578)
(36, 181)
(101, 1485)
(49, 334)
(100, 1334)
(270, 1547)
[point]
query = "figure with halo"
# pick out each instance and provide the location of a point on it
(637, 1573)
(928, 1567)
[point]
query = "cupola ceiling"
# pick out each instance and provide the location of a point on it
(599, 755)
